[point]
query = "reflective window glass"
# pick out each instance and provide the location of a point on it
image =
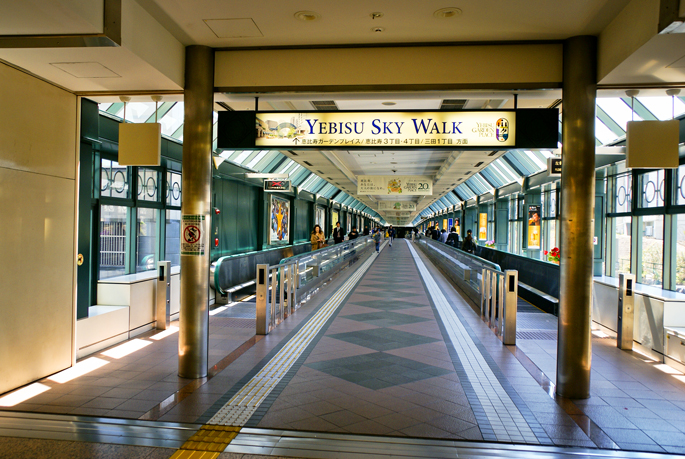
(680, 186)
(662, 107)
(146, 239)
(652, 189)
(603, 133)
(652, 253)
(114, 180)
(623, 193)
(680, 255)
(622, 246)
(112, 241)
(618, 110)
(148, 180)
(173, 191)
(173, 237)
(172, 120)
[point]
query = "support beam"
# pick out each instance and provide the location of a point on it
(574, 352)
(193, 337)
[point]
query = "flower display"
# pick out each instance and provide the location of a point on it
(553, 255)
(490, 244)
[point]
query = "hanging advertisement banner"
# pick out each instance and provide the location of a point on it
(395, 205)
(534, 227)
(405, 185)
(450, 224)
(486, 128)
(192, 235)
(397, 214)
(482, 226)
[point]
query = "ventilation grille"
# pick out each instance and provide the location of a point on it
(478, 164)
(292, 153)
(320, 172)
(308, 163)
(537, 334)
(324, 104)
(453, 104)
(493, 153)
(467, 173)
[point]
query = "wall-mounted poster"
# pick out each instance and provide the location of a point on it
(482, 226)
(450, 224)
(321, 218)
(534, 227)
(444, 225)
(279, 228)
(457, 225)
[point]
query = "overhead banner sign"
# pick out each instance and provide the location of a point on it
(405, 185)
(397, 214)
(463, 130)
(488, 128)
(394, 205)
(534, 227)
(276, 185)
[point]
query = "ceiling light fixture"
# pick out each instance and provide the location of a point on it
(446, 13)
(389, 103)
(378, 29)
(376, 15)
(307, 16)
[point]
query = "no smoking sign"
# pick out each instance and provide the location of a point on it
(192, 235)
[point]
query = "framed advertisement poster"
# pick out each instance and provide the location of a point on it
(482, 226)
(334, 220)
(444, 225)
(534, 227)
(457, 225)
(279, 221)
(321, 218)
(450, 224)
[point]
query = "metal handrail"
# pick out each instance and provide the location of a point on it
(278, 286)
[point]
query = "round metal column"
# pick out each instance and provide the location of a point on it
(193, 336)
(574, 351)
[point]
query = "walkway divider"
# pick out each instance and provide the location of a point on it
(498, 303)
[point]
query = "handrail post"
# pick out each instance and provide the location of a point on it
(296, 284)
(486, 294)
(263, 313)
(500, 303)
(510, 306)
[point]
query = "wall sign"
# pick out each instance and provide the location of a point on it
(534, 227)
(554, 167)
(276, 185)
(404, 185)
(193, 235)
(397, 214)
(395, 205)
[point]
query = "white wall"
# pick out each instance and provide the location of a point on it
(38, 131)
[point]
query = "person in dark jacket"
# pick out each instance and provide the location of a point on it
(366, 231)
(469, 244)
(453, 238)
(338, 233)
(354, 234)
(436, 233)
(391, 234)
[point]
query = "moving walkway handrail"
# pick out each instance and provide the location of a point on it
(458, 255)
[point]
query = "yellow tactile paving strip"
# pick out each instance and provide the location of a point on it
(207, 443)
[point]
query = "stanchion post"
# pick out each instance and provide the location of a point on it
(263, 312)
(626, 302)
(510, 306)
(274, 292)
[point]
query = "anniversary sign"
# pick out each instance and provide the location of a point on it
(467, 129)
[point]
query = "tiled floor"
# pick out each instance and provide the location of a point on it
(400, 354)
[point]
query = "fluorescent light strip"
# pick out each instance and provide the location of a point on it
(23, 394)
(161, 335)
(82, 368)
(127, 348)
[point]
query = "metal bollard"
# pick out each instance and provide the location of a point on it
(163, 291)
(511, 285)
(263, 311)
(626, 307)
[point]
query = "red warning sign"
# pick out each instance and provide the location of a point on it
(192, 235)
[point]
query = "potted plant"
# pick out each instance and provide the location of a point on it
(553, 255)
